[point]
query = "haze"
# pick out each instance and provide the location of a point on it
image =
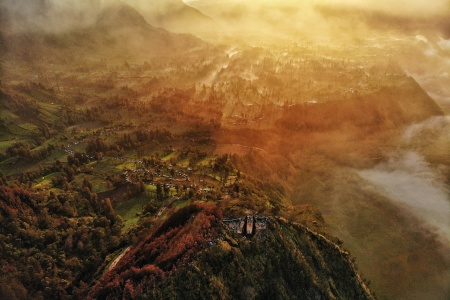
(330, 114)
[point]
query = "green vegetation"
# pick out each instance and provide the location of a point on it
(131, 210)
(52, 245)
(194, 257)
(123, 136)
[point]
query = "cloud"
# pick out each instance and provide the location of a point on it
(283, 17)
(399, 7)
(417, 134)
(444, 44)
(416, 8)
(330, 17)
(52, 15)
(409, 181)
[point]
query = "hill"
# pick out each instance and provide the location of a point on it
(173, 15)
(126, 143)
(118, 30)
(192, 256)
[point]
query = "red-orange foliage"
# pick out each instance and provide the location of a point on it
(17, 199)
(129, 291)
(171, 246)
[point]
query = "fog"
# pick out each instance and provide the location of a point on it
(60, 16)
(326, 18)
(415, 8)
(282, 19)
(434, 128)
(416, 175)
(429, 64)
(51, 15)
(409, 181)
(401, 7)
(56, 16)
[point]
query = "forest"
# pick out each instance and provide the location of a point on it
(126, 137)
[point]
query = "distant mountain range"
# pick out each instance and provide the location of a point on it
(328, 18)
(173, 15)
(118, 29)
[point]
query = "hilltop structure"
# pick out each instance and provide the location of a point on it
(248, 225)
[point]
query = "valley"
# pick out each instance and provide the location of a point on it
(123, 145)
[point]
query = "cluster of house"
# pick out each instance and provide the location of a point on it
(248, 225)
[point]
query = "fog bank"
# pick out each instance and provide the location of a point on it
(51, 15)
(411, 181)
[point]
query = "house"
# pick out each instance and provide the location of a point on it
(249, 225)
(240, 228)
(236, 225)
(261, 223)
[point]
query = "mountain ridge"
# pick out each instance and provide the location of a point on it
(286, 259)
(119, 30)
(174, 15)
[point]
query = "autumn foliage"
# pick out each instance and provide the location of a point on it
(50, 246)
(171, 246)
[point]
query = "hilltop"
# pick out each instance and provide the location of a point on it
(144, 136)
(191, 255)
(124, 146)
(174, 15)
(118, 31)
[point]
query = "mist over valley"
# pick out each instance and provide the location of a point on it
(133, 132)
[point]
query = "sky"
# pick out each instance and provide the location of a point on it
(315, 19)
(328, 17)
(398, 7)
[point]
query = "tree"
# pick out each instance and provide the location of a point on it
(159, 192)
(87, 183)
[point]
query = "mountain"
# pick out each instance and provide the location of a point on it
(128, 28)
(193, 255)
(118, 30)
(129, 154)
(121, 15)
(50, 15)
(173, 15)
(316, 20)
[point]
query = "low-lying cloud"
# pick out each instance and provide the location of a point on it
(330, 19)
(418, 134)
(285, 17)
(410, 181)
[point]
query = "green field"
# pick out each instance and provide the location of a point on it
(171, 155)
(131, 210)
